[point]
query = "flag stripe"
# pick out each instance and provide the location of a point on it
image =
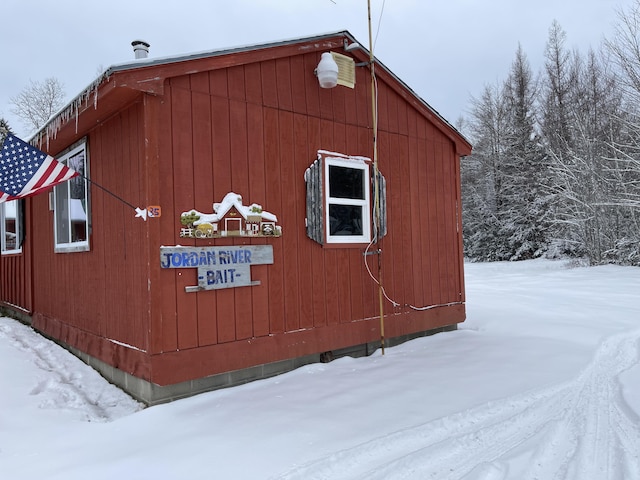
(50, 173)
(26, 171)
(41, 177)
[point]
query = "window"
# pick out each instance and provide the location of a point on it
(347, 203)
(71, 205)
(339, 206)
(11, 227)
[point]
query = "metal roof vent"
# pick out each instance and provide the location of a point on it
(346, 70)
(140, 48)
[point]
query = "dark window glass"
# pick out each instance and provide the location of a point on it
(346, 182)
(345, 219)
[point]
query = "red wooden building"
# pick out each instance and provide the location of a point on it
(179, 303)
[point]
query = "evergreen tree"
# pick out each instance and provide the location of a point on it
(557, 168)
(525, 213)
(4, 129)
(505, 213)
(482, 186)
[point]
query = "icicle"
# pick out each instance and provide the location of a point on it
(71, 110)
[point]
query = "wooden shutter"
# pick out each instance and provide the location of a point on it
(314, 176)
(382, 198)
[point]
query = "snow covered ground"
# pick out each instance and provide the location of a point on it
(541, 382)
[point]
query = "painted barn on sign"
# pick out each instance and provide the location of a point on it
(230, 218)
(273, 208)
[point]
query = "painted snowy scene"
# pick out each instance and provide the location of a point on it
(541, 382)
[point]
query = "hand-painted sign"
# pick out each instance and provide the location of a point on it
(154, 211)
(230, 218)
(218, 267)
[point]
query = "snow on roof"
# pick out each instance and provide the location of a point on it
(342, 156)
(90, 93)
(150, 61)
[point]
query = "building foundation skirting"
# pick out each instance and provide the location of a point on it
(150, 393)
(8, 310)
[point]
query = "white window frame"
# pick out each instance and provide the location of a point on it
(18, 223)
(365, 203)
(61, 193)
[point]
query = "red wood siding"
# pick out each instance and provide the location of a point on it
(254, 129)
(99, 300)
(15, 277)
(250, 123)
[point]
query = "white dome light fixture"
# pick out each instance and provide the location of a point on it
(327, 71)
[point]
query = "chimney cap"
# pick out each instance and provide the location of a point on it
(140, 49)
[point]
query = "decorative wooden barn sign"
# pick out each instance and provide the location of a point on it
(230, 218)
(218, 267)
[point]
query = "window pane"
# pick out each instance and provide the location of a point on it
(71, 205)
(346, 182)
(62, 212)
(77, 203)
(10, 224)
(78, 217)
(77, 183)
(345, 219)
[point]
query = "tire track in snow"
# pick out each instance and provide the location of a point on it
(599, 435)
(576, 430)
(62, 385)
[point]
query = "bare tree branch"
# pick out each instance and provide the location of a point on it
(37, 102)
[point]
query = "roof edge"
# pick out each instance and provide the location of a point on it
(90, 93)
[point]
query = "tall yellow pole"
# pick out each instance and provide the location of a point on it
(376, 202)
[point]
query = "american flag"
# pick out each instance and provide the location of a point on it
(26, 171)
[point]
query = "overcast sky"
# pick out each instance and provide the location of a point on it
(446, 51)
